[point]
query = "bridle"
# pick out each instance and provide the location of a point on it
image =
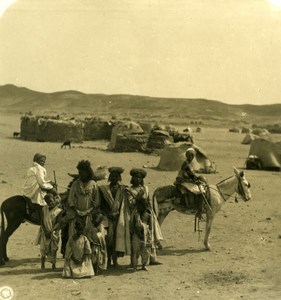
(240, 189)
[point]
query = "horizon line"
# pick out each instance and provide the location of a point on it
(136, 95)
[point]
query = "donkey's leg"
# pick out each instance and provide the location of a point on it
(209, 221)
(11, 228)
(161, 217)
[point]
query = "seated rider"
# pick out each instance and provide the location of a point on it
(188, 182)
(36, 185)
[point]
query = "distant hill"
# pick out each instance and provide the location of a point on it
(19, 99)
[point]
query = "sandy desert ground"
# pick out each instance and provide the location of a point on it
(245, 262)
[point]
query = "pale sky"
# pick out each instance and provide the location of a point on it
(227, 50)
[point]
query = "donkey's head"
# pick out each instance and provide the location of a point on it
(243, 187)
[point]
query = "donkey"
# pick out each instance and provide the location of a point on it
(16, 211)
(164, 199)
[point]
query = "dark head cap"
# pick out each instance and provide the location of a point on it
(138, 173)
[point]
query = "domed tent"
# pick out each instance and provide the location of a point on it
(249, 138)
(173, 155)
(268, 152)
(124, 128)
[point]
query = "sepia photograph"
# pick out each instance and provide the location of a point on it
(140, 149)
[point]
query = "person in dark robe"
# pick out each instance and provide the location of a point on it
(111, 198)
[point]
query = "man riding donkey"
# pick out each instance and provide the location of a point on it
(111, 198)
(190, 187)
(37, 186)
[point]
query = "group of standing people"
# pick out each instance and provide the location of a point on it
(105, 221)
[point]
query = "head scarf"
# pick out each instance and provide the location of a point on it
(192, 150)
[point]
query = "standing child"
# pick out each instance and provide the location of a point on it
(96, 235)
(48, 235)
(141, 233)
(77, 263)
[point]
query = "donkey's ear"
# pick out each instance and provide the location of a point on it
(236, 171)
(242, 174)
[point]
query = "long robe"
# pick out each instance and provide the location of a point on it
(97, 237)
(186, 179)
(124, 225)
(110, 206)
(36, 184)
(49, 246)
(80, 249)
(82, 197)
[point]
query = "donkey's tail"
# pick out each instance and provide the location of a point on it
(155, 205)
(2, 220)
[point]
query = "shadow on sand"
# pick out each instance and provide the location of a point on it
(170, 250)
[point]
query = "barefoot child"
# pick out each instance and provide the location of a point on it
(48, 235)
(141, 234)
(77, 263)
(96, 235)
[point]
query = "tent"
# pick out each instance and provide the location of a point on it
(268, 152)
(125, 128)
(173, 155)
(249, 138)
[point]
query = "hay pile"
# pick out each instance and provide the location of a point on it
(44, 129)
(131, 143)
(97, 129)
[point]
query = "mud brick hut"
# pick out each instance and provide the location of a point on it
(146, 126)
(131, 143)
(45, 129)
(158, 139)
(124, 129)
(97, 129)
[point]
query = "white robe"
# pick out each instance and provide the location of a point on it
(35, 182)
